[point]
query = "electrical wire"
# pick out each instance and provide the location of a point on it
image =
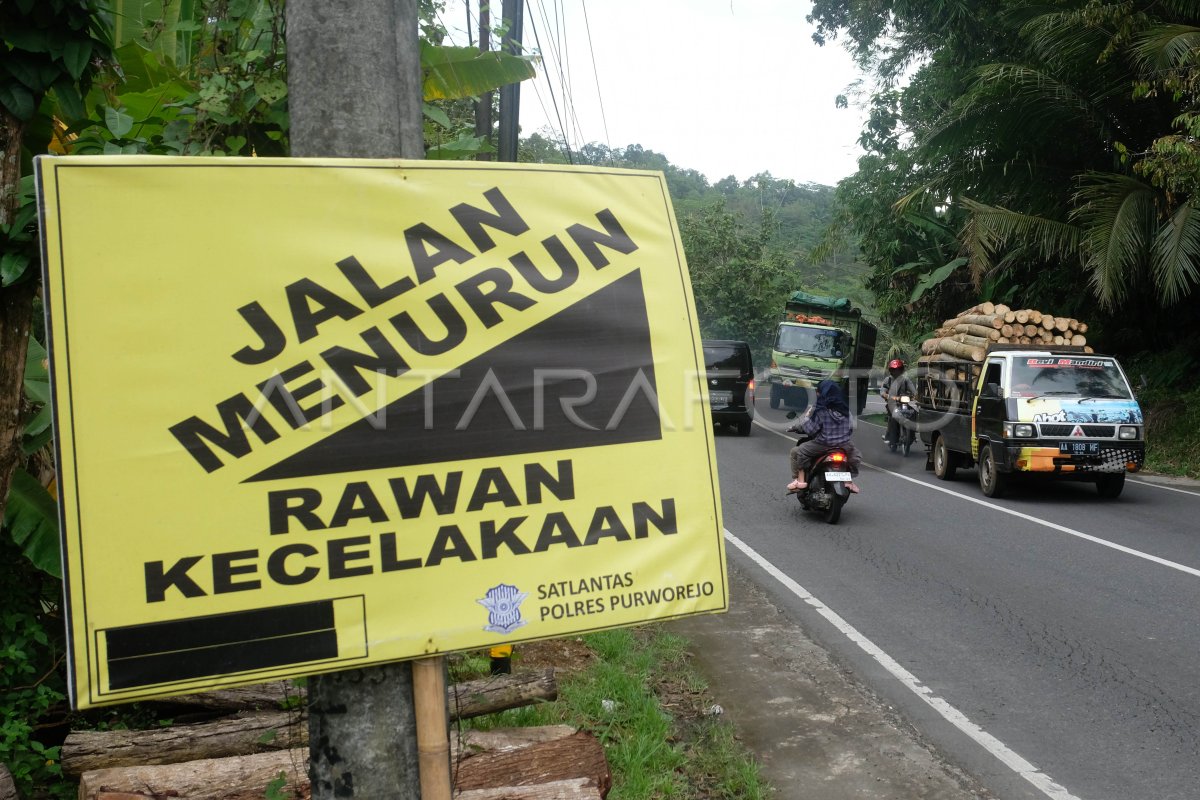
(596, 77)
(565, 140)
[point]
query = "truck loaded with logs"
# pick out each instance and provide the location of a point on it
(1025, 399)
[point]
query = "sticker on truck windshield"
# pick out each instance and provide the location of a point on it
(1077, 410)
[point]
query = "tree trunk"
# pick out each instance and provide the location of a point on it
(8, 788)
(16, 311)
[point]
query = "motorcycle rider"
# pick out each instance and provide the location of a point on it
(829, 424)
(895, 386)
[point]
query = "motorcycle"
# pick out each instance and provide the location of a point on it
(827, 479)
(905, 416)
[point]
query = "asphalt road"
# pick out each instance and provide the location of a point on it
(1046, 642)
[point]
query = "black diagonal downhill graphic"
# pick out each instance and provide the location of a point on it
(605, 336)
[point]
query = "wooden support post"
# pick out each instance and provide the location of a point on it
(433, 733)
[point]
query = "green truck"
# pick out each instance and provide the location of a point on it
(818, 338)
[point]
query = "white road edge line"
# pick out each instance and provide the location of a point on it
(1029, 517)
(997, 748)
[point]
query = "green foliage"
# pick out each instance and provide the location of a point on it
(31, 685)
(47, 47)
(738, 282)
(457, 72)
(1055, 143)
(1170, 399)
(198, 78)
(274, 790)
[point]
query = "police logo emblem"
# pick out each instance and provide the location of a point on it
(503, 603)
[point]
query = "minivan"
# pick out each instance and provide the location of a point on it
(729, 375)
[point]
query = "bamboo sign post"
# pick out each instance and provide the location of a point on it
(433, 735)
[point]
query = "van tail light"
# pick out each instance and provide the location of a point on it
(750, 391)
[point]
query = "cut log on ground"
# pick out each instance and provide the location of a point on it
(240, 778)
(275, 696)
(577, 789)
(244, 734)
(275, 730)
(246, 777)
(577, 756)
(496, 740)
(501, 692)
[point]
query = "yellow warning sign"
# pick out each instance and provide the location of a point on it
(317, 414)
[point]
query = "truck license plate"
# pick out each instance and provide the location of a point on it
(720, 399)
(837, 476)
(1079, 448)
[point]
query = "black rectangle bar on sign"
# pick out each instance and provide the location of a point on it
(225, 659)
(218, 629)
(220, 644)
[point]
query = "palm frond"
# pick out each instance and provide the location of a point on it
(1064, 36)
(1117, 214)
(1165, 47)
(1175, 254)
(996, 227)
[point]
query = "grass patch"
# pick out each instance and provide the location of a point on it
(640, 695)
(875, 419)
(1173, 432)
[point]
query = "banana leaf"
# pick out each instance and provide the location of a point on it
(456, 72)
(31, 519)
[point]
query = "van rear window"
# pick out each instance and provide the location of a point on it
(726, 357)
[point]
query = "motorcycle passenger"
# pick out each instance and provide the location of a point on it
(895, 386)
(829, 424)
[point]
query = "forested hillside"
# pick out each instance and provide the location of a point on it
(748, 243)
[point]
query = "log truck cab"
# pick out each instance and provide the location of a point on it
(1056, 414)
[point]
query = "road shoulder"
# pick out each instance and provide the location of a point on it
(814, 729)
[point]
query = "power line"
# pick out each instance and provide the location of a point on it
(596, 77)
(553, 35)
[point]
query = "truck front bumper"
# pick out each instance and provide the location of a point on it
(1047, 457)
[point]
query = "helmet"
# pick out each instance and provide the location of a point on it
(895, 363)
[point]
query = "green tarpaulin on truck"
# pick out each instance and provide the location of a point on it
(832, 303)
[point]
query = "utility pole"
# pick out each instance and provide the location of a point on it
(513, 12)
(483, 106)
(354, 90)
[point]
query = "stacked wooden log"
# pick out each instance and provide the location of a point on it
(972, 332)
(238, 756)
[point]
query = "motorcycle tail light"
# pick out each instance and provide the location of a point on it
(839, 457)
